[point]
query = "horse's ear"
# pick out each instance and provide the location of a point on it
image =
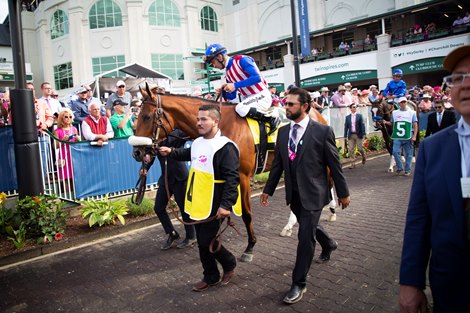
(142, 92)
(147, 88)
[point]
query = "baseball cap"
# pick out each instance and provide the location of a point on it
(120, 83)
(402, 99)
(455, 56)
(119, 102)
(426, 95)
(324, 89)
(347, 85)
(80, 90)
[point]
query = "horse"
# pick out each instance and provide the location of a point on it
(381, 113)
(160, 114)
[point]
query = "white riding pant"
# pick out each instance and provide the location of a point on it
(261, 101)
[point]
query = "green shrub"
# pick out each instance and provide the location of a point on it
(43, 216)
(103, 212)
(145, 208)
(19, 236)
(374, 143)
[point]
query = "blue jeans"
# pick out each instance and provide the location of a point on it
(408, 147)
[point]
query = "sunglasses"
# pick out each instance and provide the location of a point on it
(83, 92)
(121, 86)
(67, 116)
(54, 96)
(438, 107)
(353, 107)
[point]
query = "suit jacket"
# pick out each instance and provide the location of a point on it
(435, 221)
(360, 127)
(324, 101)
(317, 152)
(448, 119)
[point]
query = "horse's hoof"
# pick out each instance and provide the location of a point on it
(332, 217)
(390, 170)
(246, 257)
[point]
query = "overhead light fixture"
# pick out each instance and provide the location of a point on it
(460, 7)
(417, 10)
(446, 15)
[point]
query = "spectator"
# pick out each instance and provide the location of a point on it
(374, 95)
(368, 40)
(348, 87)
(440, 119)
(458, 22)
(93, 99)
(417, 30)
(339, 99)
(396, 88)
(269, 61)
(120, 93)
(355, 132)
(55, 95)
(81, 104)
(437, 230)
(355, 96)
(430, 28)
(425, 105)
(466, 18)
(96, 127)
(324, 100)
(314, 52)
(364, 98)
(121, 122)
(65, 131)
(44, 117)
(437, 93)
(53, 104)
(415, 95)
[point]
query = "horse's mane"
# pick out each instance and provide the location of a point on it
(203, 100)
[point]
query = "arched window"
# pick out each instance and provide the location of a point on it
(105, 13)
(59, 24)
(164, 13)
(209, 19)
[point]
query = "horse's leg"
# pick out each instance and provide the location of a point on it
(247, 215)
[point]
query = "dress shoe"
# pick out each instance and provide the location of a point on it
(227, 277)
(326, 254)
(186, 243)
(286, 232)
(202, 285)
(295, 294)
(172, 237)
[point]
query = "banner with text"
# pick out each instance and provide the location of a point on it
(303, 27)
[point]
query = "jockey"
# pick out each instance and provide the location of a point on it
(396, 88)
(244, 81)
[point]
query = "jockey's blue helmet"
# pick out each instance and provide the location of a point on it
(397, 72)
(212, 51)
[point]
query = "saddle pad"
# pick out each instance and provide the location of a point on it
(255, 131)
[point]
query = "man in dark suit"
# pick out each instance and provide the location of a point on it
(304, 151)
(355, 132)
(437, 231)
(440, 119)
(324, 100)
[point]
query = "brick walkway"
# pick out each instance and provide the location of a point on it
(130, 273)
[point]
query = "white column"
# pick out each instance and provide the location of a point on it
(136, 34)
(80, 45)
(384, 72)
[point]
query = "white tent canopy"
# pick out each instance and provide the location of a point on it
(137, 74)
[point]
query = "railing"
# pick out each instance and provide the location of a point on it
(440, 33)
(74, 171)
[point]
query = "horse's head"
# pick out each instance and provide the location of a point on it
(152, 127)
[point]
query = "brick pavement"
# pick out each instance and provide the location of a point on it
(130, 273)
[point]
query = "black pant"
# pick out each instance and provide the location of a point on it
(309, 230)
(205, 232)
(161, 201)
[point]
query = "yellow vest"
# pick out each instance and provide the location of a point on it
(200, 186)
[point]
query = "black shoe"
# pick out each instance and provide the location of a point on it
(172, 237)
(186, 243)
(326, 254)
(273, 124)
(295, 294)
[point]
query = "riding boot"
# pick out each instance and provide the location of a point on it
(271, 120)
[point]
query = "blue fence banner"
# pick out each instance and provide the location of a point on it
(110, 168)
(303, 28)
(8, 179)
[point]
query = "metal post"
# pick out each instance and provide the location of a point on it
(295, 44)
(28, 163)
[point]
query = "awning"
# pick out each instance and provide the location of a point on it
(137, 70)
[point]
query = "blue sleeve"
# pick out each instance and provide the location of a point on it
(401, 89)
(254, 77)
(386, 90)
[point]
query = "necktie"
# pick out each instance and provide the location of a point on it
(439, 119)
(292, 142)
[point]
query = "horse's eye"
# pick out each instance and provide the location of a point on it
(146, 118)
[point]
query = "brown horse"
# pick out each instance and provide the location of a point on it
(161, 114)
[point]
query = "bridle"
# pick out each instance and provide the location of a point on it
(158, 122)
